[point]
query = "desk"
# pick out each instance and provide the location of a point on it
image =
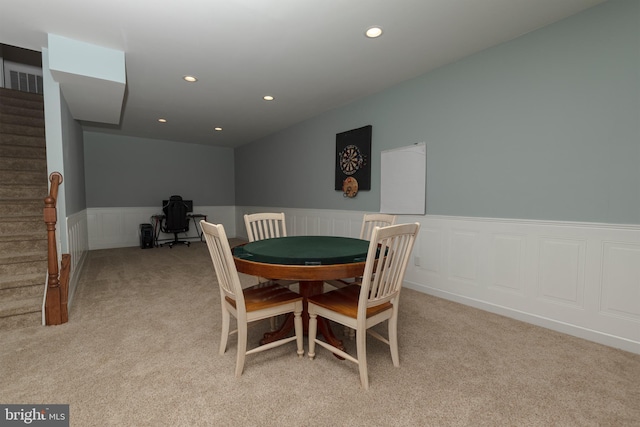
(157, 219)
(309, 260)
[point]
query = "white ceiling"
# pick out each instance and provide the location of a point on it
(311, 55)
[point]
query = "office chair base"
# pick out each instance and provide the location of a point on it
(176, 242)
(171, 244)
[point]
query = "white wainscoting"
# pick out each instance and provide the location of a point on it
(78, 238)
(581, 279)
(120, 227)
(577, 278)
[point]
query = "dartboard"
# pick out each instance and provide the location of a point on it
(350, 160)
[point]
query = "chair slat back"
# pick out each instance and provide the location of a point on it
(222, 259)
(387, 259)
(370, 221)
(262, 226)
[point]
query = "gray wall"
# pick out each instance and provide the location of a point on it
(137, 172)
(543, 127)
(73, 158)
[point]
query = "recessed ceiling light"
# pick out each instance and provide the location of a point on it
(268, 98)
(217, 129)
(162, 120)
(190, 79)
(373, 32)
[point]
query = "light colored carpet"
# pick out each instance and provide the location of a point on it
(141, 349)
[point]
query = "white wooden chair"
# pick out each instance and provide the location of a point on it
(373, 301)
(262, 301)
(369, 221)
(265, 225)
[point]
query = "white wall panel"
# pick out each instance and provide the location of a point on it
(325, 226)
(298, 226)
(428, 250)
(506, 263)
(463, 256)
(339, 227)
(621, 280)
(112, 226)
(312, 226)
(561, 271)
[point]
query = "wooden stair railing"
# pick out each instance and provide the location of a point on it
(55, 308)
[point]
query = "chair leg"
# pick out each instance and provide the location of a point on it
(273, 323)
(361, 346)
(297, 324)
(242, 346)
(393, 339)
(349, 333)
(226, 317)
(313, 329)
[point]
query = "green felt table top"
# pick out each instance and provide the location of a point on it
(305, 250)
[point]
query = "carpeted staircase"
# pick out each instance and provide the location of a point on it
(23, 187)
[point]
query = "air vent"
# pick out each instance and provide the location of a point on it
(26, 82)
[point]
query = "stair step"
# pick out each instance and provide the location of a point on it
(25, 320)
(21, 151)
(24, 177)
(19, 191)
(24, 140)
(22, 257)
(22, 225)
(21, 111)
(21, 129)
(22, 293)
(22, 306)
(12, 164)
(17, 119)
(21, 301)
(21, 280)
(16, 98)
(18, 94)
(21, 207)
(19, 267)
(23, 243)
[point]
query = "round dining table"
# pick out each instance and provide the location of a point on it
(308, 260)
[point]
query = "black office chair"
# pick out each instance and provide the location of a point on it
(175, 220)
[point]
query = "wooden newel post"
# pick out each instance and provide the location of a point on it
(53, 315)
